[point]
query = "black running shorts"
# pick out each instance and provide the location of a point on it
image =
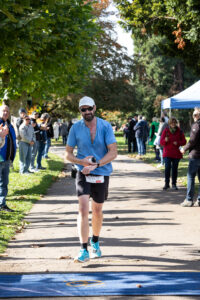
(98, 191)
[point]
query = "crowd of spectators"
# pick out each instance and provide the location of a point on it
(167, 139)
(140, 134)
(34, 134)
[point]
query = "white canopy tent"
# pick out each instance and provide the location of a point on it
(186, 99)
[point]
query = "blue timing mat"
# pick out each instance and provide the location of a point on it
(100, 284)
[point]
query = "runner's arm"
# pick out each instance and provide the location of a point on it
(110, 155)
(75, 160)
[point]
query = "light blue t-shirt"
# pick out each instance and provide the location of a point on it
(79, 136)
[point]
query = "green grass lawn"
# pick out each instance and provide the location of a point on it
(23, 192)
(149, 158)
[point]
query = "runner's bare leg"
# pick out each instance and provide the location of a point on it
(97, 217)
(82, 221)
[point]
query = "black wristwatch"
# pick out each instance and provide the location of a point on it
(98, 164)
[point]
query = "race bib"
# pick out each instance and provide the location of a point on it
(94, 179)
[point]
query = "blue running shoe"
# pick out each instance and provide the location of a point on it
(83, 256)
(96, 252)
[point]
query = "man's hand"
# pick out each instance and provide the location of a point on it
(31, 143)
(86, 161)
(3, 130)
(88, 169)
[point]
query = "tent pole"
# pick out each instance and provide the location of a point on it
(170, 112)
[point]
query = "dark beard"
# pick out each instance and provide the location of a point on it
(88, 117)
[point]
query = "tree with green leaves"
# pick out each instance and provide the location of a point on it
(46, 47)
(177, 20)
(166, 58)
(111, 77)
(111, 80)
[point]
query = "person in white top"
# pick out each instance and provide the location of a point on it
(56, 130)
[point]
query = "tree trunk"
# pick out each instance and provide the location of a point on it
(178, 83)
(178, 72)
(14, 105)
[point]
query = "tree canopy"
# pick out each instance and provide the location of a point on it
(166, 48)
(111, 80)
(46, 46)
(177, 20)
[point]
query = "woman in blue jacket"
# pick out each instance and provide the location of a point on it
(7, 155)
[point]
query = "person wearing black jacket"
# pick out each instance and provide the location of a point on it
(42, 141)
(35, 146)
(64, 132)
(49, 137)
(132, 144)
(193, 146)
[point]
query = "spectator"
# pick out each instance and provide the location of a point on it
(42, 141)
(49, 137)
(125, 132)
(193, 146)
(162, 126)
(35, 146)
(22, 114)
(56, 131)
(26, 142)
(140, 134)
(165, 116)
(171, 140)
(34, 115)
(152, 136)
(7, 155)
(64, 132)
(145, 133)
(132, 144)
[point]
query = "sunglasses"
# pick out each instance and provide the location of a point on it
(90, 108)
(27, 119)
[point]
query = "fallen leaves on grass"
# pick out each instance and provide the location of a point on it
(20, 228)
(21, 197)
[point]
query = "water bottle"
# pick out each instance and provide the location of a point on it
(92, 159)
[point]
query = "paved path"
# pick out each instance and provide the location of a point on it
(145, 229)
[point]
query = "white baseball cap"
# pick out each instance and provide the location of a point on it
(86, 101)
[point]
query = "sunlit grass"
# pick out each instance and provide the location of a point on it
(23, 192)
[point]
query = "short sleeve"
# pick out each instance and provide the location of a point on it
(109, 135)
(71, 140)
